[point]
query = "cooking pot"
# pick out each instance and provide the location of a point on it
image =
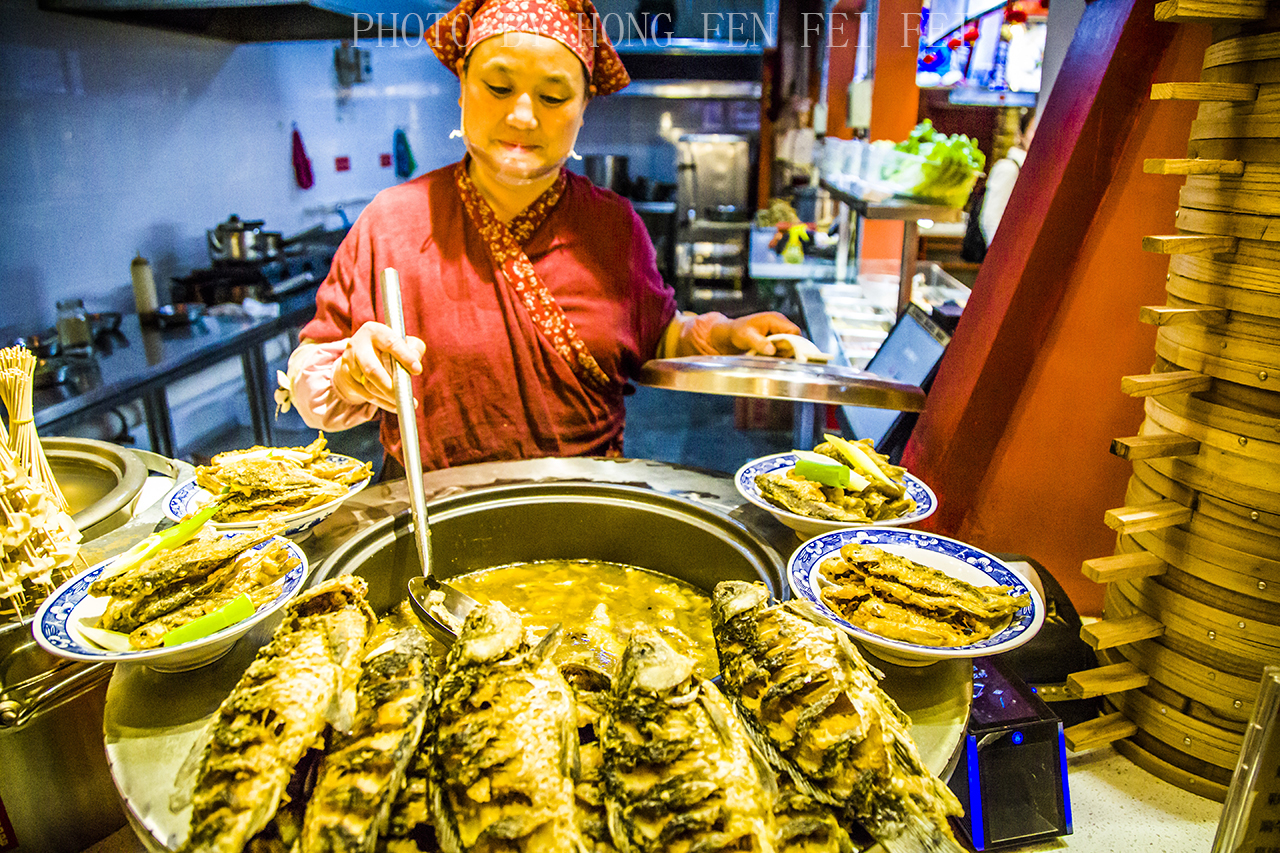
(559, 521)
(242, 240)
(608, 171)
(99, 480)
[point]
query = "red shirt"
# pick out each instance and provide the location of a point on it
(492, 386)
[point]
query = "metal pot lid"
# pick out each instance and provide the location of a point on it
(780, 379)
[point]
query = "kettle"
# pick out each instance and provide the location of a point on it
(241, 240)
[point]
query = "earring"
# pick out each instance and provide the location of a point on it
(456, 133)
(574, 155)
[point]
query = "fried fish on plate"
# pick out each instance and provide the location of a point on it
(266, 482)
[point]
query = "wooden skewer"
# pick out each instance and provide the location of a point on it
(1109, 633)
(1167, 315)
(1123, 567)
(1173, 382)
(1133, 519)
(1099, 731)
(1192, 11)
(1105, 680)
(1154, 446)
(1158, 166)
(1204, 91)
(1184, 244)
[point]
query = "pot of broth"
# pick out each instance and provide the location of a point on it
(595, 557)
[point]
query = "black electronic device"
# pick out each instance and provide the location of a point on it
(910, 353)
(1012, 776)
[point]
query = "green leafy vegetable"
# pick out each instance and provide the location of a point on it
(941, 168)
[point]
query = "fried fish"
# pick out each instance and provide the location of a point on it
(680, 774)
(895, 597)
(813, 706)
(505, 743)
(363, 769)
(299, 682)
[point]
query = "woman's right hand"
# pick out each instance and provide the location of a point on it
(363, 374)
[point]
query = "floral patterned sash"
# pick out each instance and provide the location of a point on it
(505, 242)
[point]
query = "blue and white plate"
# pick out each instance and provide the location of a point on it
(745, 480)
(59, 621)
(938, 552)
(187, 497)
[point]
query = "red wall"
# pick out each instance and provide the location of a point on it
(1045, 488)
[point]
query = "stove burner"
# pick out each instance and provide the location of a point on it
(265, 281)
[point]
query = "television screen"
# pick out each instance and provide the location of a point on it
(985, 51)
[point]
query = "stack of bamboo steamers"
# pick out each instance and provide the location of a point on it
(1192, 607)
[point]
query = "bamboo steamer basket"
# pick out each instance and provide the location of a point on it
(1192, 605)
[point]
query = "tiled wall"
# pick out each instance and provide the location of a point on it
(118, 139)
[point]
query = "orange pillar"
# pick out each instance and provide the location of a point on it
(895, 103)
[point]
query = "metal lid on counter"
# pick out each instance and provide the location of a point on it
(780, 379)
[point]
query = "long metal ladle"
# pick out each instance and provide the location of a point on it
(456, 603)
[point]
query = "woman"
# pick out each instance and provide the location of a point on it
(530, 296)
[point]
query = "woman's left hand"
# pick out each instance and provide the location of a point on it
(749, 333)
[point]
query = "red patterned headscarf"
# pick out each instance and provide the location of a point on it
(573, 23)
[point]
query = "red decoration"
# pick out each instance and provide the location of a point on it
(971, 33)
(954, 42)
(302, 173)
(342, 164)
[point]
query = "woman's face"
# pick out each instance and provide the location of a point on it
(523, 98)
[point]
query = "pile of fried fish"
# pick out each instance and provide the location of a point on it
(269, 482)
(347, 733)
(190, 580)
(899, 599)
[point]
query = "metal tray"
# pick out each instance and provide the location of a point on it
(780, 379)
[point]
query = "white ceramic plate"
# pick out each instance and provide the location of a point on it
(946, 555)
(745, 480)
(188, 497)
(58, 621)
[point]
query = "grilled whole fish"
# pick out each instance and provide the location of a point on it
(591, 691)
(813, 706)
(362, 769)
(411, 829)
(680, 774)
(304, 678)
(505, 745)
(803, 825)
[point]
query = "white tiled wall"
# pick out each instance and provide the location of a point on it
(117, 139)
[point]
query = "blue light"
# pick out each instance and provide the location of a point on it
(1017, 738)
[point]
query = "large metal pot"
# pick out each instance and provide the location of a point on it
(563, 520)
(54, 783)
(100, 481)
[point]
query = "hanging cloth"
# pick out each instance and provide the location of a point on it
(405, 164)
(505, 243)
(301, 163)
